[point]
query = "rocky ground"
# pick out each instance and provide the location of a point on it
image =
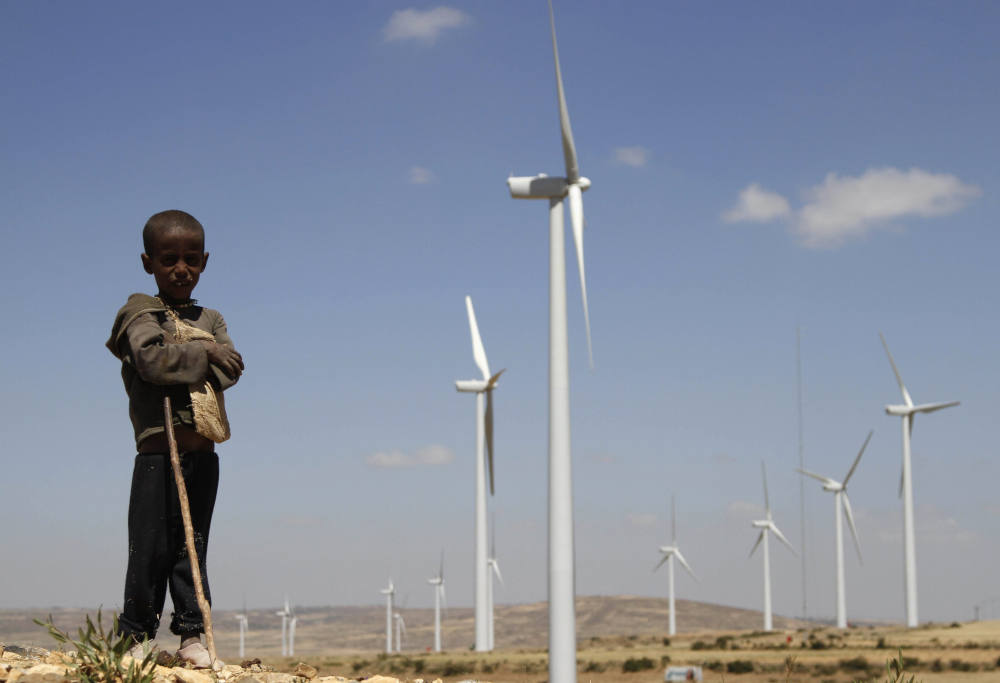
(37, 665)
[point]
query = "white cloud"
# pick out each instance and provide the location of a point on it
(642, 520)
(632, 156)
(428, 456)
(846, 207)
(424, 26)
(742, 510)
(757, 205)
(421, 176)
(435, 454)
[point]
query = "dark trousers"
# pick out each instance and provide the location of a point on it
(157, 554)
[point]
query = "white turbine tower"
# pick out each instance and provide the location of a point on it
(284, 614)
(908, 411)
(484, 436)
(561, 589)
(400, 631)
(438, 583)
(766, 525)
(841, 501)
(494, 571)
(669, 553)
(244, 625)
(291, 633)
(388, 592)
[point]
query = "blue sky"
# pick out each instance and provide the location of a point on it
(755, 168)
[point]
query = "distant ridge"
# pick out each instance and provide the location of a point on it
(351, 629)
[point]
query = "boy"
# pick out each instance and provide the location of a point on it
(170, 346)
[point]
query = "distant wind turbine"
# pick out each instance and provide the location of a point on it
(400, 631)
(438, 583)
(494, 571)
(841, 501)
(669, 553)
(908, 412)
(766, 525)
(291, 633)
(388, 592)
(244, 625)
(561, 589)
(285, 614)
(484, 426)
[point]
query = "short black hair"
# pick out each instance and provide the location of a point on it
(164, 220)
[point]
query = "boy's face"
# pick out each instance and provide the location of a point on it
(177, 261)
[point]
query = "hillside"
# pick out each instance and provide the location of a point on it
(356, 629)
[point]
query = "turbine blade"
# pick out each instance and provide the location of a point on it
(850, 522)
(576, 217)
(666, 556)
(683, 562)
(444, 603)
(489, 434)
(781, 537)
(493, 538)
(569, 149)
(932, 407)
(478, 352)
(441, 570)
(899, 378)
(901, 483)
(496, 570)
(673, 520)
(858, 459)
(759, 539)
(825, 480)
(767, 500)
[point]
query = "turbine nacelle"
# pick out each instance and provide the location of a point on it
(761, 524)
(472, 386)
(542, 186)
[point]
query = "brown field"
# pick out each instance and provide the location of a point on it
(614, 633)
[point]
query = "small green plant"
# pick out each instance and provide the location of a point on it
(858, 663)
(451, 668)
(961, 665)
(666, 642)
(740, 666)
(594, 667)
(100, 654)
(699, 645)
(896, 672)
(633, 664)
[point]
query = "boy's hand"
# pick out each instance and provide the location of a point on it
(228, 360)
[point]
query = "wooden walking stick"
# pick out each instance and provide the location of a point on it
(175, 461)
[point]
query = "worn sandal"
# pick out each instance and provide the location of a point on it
(197, 656)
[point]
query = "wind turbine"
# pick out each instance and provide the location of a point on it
(438, 583)
(388, 592)
(291, 633)
(561, 589)
(495, 571)
(669, 553)
(766, 525)
(840, 500)
(908, 411)
(284, 614)
(400, 631)
(244, 625)
(484, 425)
